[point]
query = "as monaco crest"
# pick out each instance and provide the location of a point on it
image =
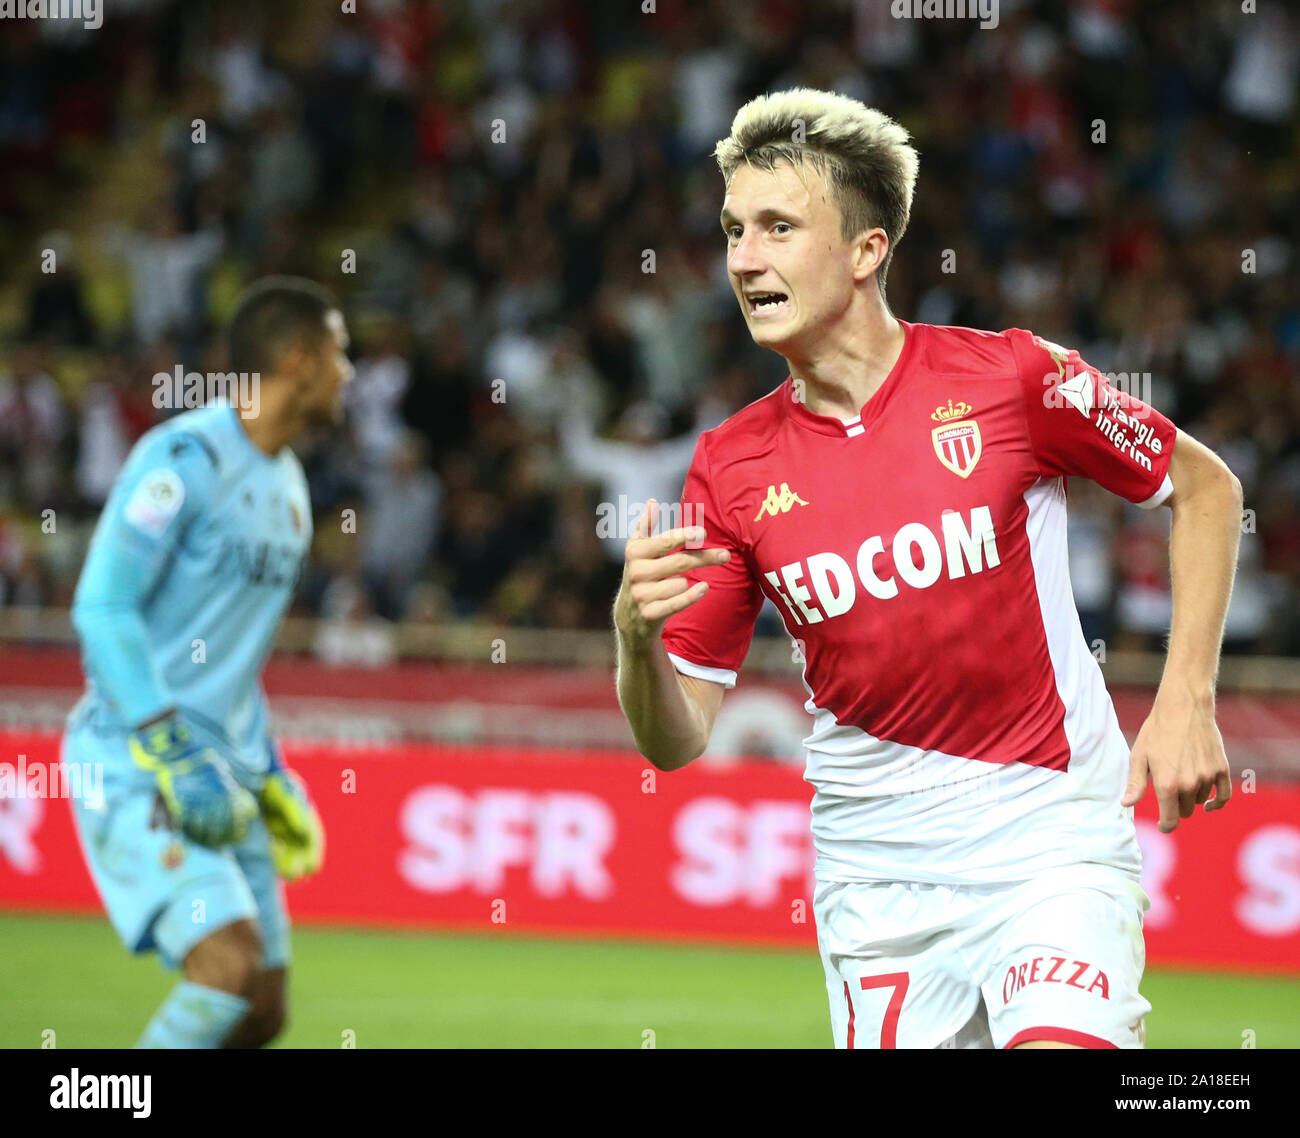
(956, 439)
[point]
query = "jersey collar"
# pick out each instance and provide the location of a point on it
(872, 410)
(250, 449)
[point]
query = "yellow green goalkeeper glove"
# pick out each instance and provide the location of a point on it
(297, 836)
(202, 797)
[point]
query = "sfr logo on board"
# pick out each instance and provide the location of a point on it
(460, 840)
(724, 852)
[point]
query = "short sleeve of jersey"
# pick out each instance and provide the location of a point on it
(1081, 424)
(710, 639)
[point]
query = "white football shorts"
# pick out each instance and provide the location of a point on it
(1058, 957)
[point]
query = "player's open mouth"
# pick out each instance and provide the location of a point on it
(766, 304)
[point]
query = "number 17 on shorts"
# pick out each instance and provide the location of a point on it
(1056, 959)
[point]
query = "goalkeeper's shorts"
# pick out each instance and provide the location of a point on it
(161, 891)
(1055, 958)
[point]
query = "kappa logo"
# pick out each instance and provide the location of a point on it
(1060, 356)
(779, 501)
(957, 440)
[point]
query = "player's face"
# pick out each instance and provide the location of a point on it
(784, 238)
(332, 373)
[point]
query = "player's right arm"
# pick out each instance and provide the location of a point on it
(162, 490)
(684, 617)
(671, 714)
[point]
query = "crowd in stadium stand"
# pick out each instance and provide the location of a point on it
(538, 299)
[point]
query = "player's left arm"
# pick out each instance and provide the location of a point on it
(1179, 747)
(1079, 424)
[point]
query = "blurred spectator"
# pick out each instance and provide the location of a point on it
(236, 61)
(56, 304)
(1091, 516)
(112, 418)
(375, 395)
(1145, 601)
(476, 546)
(1261, 81)
(282, 164)
(32, 428)
(526, 188)
(400, 526)
(165, 266)
(640, 463)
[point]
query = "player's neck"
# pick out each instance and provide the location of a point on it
(274, 426)
(846, 368)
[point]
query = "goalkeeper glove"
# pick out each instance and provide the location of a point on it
(297, 836)
(202, 797)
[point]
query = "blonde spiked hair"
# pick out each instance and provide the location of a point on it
(862, 154)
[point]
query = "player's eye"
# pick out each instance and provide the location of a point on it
(731, 233)
(782, 225)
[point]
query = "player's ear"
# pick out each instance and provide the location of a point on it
(296, 364)
(870, 248)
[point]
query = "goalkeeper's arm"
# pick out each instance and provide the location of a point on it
(133, 543)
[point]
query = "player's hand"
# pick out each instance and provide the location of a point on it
(297, 836)
(202, 797)
(1181, 749)
(654, 583)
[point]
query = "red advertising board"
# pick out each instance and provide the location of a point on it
(578, 842)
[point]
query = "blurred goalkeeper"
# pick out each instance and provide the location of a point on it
(189, 574)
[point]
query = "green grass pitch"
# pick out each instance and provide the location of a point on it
(419, 989)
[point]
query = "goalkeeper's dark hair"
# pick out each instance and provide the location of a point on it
(274, 314)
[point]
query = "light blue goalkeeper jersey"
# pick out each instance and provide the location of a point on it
(188, 577)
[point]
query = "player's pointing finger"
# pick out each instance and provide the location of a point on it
(645, 524)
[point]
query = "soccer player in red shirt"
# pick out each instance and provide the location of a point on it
(901, 500)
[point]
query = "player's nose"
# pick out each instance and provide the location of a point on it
(743, 258)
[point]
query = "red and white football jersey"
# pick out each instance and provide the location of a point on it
(961, 729)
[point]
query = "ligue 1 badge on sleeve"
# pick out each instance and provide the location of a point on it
(957, 439)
